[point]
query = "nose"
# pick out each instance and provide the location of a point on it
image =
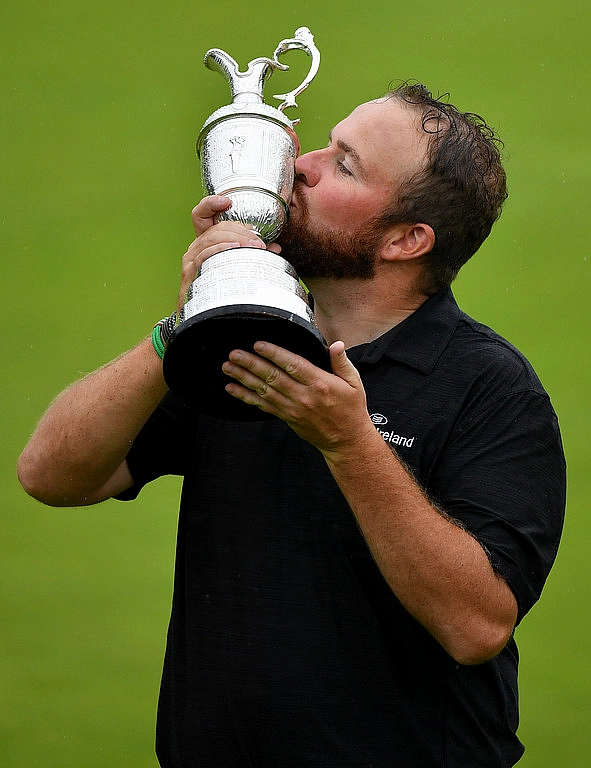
(307, 168)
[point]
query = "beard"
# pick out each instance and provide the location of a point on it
(329, 253)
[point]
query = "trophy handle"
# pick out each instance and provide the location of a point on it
(303, 40)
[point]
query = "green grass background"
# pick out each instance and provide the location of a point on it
(101, 105)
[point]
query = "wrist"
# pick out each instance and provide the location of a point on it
(162, 333)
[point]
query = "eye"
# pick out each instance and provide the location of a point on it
(342, 168)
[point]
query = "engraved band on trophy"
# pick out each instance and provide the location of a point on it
(243, 295)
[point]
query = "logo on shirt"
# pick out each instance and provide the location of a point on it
(389, 435)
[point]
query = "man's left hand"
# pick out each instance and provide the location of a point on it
(327, 410)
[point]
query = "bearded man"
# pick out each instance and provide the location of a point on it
(349, 573)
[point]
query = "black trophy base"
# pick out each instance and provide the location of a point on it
(200, 345)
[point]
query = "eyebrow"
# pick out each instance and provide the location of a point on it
(342, 145)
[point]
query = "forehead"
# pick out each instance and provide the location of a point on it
(388, 137)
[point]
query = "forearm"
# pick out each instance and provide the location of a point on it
(84, 436)
(438, 571)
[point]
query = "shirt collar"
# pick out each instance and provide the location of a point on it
(418, 340)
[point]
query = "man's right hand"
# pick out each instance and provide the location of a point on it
(212, 237)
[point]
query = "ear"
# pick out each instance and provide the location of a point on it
(406, 241)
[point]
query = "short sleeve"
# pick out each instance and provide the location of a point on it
(503, 477)
(162, 446)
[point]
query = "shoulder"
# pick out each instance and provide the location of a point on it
(491, 359)
(439, 340)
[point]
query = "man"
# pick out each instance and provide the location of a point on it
(349, 574)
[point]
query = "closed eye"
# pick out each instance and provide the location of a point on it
(351, 156)
(342, 168)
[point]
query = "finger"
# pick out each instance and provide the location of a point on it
(250, 398)
(255, 373)
(205, 212)
(296, 367)
(226, 231)
(342, 366)
(250, 387)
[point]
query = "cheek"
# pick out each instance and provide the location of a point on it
(333, 206)
(337, 209)
(350, 213)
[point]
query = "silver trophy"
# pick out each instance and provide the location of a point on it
(243, 295)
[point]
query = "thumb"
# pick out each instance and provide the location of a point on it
(341, 365)
(206, 210)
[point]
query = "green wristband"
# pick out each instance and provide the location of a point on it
(157, 340)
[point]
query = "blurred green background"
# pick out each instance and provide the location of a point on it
(101, 105)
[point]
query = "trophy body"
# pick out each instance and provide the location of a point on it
(249, 158)
(243, 295)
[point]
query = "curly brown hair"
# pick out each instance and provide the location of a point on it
(459, 192)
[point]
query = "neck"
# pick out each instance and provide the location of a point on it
(357, 311)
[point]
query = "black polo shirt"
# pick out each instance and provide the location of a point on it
(286, 648)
